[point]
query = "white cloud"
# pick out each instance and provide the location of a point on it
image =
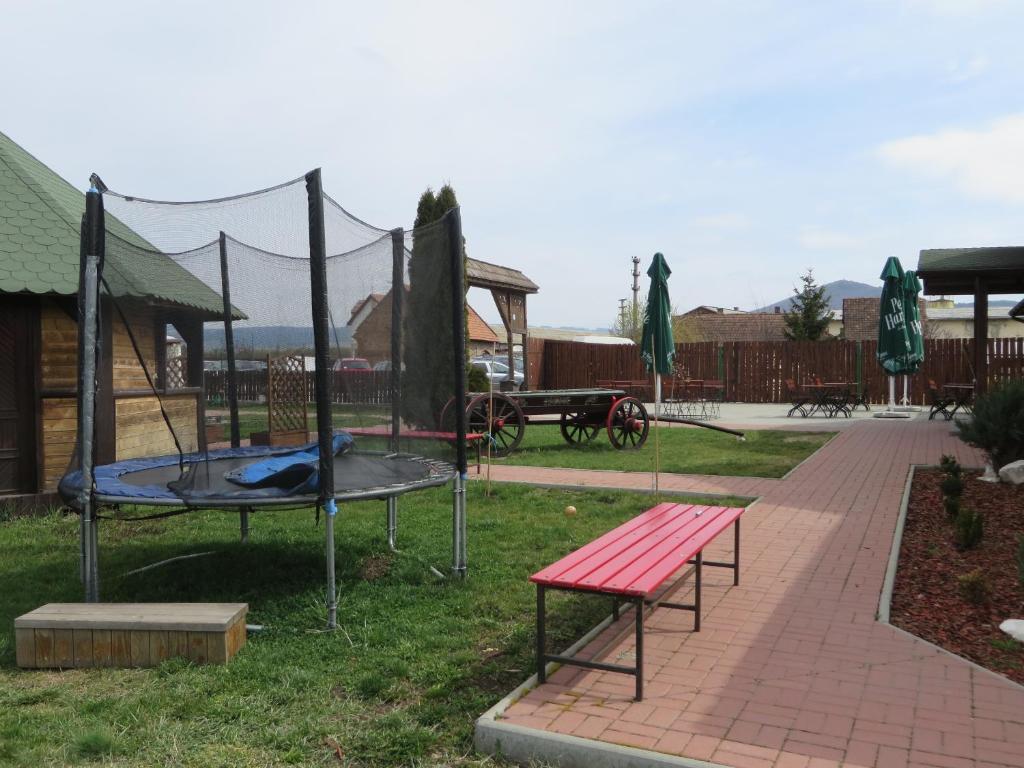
(987, 163)
(820, 239)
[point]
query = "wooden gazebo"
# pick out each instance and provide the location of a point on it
(978, 272)
(509, 287)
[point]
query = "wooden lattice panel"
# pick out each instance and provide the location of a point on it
(286, 397)
(175, 372)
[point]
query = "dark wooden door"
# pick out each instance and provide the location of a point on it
(19, 332)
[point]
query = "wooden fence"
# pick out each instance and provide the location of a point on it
(752, 371)
(756, 372)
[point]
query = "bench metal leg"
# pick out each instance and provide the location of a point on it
(541, 654)
(696, 597)
(639, 649)
(736, 553)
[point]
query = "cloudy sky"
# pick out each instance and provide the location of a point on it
(747, 141)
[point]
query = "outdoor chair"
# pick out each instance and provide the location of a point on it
(797, 398)
(940, 402)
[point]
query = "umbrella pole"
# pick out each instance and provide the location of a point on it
(892, 393)
(657, 430)
(906, 382)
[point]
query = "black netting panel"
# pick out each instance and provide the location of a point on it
(393, 370)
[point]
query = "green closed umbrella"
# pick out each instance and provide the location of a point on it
(915, 334)
(657, 348)
(893, 342)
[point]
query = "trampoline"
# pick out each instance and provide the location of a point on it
(154, 481)
(292, 267)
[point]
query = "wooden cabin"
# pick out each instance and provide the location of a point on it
(40, 215)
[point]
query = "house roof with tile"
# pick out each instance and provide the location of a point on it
(40, 217)
(735, 326)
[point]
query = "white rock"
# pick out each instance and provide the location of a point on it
(990, 475)
(1013, 472)
(1014, 628)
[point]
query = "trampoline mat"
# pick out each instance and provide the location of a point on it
(362, 475)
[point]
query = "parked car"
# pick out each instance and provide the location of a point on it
(384, 365)
(352, 365)
(497, 372)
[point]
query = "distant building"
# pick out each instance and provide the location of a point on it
(708, 323)
(370, 322)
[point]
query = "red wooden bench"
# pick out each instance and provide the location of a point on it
(631, 563)
(383, 430)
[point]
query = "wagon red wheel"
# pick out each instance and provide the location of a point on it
(628, 423)
(577, 428)
(505, 426)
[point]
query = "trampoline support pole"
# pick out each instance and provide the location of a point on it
(392, 523)
(243, 524)
(332, 599)
(459, 526)
(93, 242)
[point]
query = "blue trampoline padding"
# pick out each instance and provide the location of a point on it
(297, 472)
(107, 477)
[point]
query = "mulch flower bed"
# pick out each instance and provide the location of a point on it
(928, 599)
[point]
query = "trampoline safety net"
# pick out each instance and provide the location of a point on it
(369, 324)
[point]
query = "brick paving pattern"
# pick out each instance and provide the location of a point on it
(791, 668)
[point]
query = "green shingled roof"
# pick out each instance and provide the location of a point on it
(40, 215)
(953, 259)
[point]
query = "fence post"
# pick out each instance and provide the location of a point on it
(860, 369)
(721, 363)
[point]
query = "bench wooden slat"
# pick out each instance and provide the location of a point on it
(671, 560)
(669, 547)
(592, 572)
(555, 570)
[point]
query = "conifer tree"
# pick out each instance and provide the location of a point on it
(807, 319)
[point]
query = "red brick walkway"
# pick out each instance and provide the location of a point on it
(791, 668)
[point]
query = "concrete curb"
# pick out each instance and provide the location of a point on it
(885, 600)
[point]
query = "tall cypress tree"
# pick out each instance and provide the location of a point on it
(428, 355)
(807, 319)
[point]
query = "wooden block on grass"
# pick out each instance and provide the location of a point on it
(68, 635)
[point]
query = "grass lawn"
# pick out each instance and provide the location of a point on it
(764, 453)
(415, 660)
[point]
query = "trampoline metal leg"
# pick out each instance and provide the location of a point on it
(95, 559)
(392, 523)
(459, 526)
(332, 600)
(243, 524)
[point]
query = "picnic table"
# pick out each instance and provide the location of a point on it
(630, 564)
(693, 398)
(831, 398)
(954, 397)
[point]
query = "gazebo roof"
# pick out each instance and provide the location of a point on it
(954, 270)
(482, 274)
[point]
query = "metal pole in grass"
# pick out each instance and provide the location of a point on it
(321, 347)
(91, 267)
(229, 343)
(453, 222)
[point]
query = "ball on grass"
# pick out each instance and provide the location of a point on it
(570, 510)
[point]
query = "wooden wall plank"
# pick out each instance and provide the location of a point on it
(139, 647)
(197, 650)
(83, 648)
(25, 647)
(63, 648)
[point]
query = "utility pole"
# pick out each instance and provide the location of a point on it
(622, 313)
(636, 293)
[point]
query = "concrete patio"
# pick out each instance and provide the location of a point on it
(791, 669)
